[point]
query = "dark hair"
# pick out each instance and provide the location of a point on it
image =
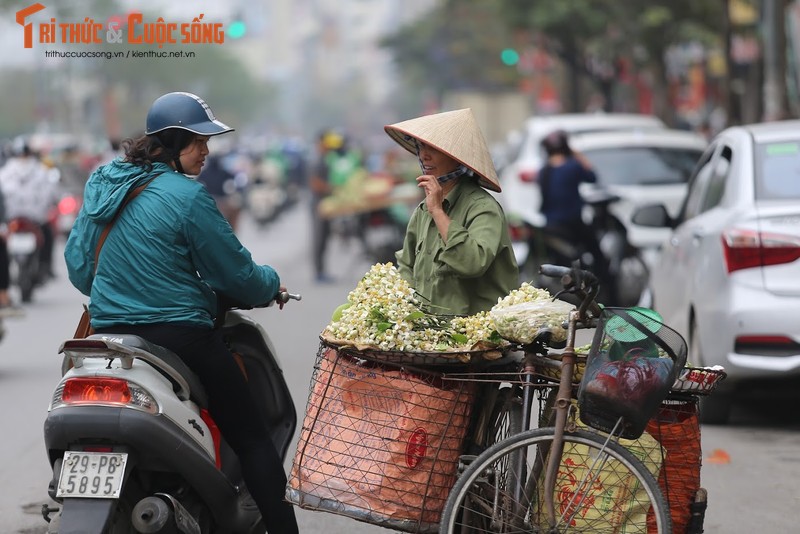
(163, 147)
(556, 143)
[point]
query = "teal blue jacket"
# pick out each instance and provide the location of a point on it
(167, 250)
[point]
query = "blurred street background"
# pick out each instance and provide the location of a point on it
(288, 68)
(291, 69)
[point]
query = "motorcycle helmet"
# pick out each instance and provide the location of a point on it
(175, 119)
(332, 140)
(184, 111)
(556, 143)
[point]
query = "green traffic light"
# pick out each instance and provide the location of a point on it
(509, 56)
(237, 29)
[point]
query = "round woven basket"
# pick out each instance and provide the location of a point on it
(477, 355)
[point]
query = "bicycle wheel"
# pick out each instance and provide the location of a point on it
(600, 488)
(506, 419)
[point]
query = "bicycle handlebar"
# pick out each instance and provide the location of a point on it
(578, 281)
(574, 274)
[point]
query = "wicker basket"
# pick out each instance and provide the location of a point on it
(481, 352)
(378, 443)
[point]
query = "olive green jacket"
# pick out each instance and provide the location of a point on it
(475, 268)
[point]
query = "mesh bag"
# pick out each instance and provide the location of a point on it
(677, 428)
(379, 444)
(630, 369)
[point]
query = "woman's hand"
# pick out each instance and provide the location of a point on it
(281, 289)
(434, 196)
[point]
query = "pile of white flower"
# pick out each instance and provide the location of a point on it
(523, 312)
(383, 311)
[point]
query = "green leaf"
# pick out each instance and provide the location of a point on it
(414, 316)
(460, 339)
(495, 337)
(377, 315)
(383, 327)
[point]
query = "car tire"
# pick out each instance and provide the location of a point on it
(715, 409)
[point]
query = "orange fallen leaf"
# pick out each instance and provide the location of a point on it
(718, 456)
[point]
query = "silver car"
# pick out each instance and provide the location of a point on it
(728, 277)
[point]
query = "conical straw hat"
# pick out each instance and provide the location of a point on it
(456, 133)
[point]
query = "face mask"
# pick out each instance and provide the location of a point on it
(452, 175)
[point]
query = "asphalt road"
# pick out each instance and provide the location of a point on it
(750, 467)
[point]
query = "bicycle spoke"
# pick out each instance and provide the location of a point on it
(599, 488)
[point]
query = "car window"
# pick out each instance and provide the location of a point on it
(717, 179)
(778, 170)
(697, 184)
(642, 165)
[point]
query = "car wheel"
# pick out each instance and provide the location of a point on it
(715, 409)
(631, 280)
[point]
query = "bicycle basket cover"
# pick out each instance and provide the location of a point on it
(625, 329)
(630, 369)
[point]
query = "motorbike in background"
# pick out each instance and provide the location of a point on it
(132, 445)
(25, 240)
(535, 245)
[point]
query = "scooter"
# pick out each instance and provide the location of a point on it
(25, 241)
(133, 448)
(535, 244)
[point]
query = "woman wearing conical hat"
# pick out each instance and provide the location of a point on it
(457, 252)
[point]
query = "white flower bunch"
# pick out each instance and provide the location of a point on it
(523, 312)
(385, 312)
(525, 293)
(478, 327)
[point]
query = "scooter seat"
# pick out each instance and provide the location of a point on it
(196, 390)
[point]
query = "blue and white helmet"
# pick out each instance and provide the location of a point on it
(184, 111)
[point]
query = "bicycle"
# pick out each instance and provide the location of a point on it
(564, 477)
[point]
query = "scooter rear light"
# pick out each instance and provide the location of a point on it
(103, 392)
(67, 206)
(98, 449)
(528, 177)
(518, 232)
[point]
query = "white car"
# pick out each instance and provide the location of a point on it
(728, 278)
(637, 167)
(520, 197)
(641, 167)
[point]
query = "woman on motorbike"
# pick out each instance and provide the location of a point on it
(156, 275)
(562, 203)
(457, 252)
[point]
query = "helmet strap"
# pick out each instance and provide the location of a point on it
(176, 159)
(174, 154)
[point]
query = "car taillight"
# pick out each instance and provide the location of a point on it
(745, 249)
(528, 176)
(103, 392)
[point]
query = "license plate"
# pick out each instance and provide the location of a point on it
(92, 474)
(21, 243)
